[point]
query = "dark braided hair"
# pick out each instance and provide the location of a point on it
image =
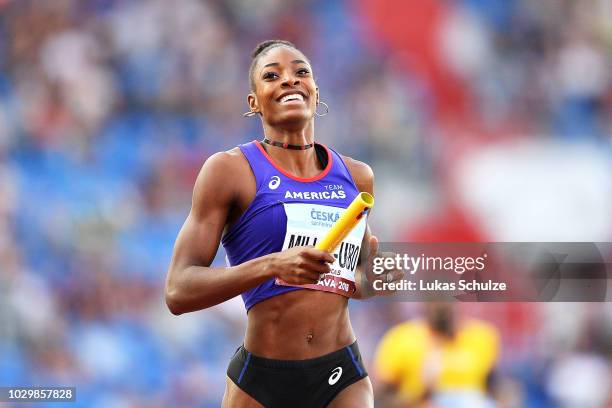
(261, 49)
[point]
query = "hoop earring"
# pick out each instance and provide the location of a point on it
(326, 109)
(249, 114)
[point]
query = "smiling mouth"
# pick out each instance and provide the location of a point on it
(296, 97)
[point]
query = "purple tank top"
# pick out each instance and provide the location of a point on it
(261, 229)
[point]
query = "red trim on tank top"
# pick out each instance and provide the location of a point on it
(291, 176)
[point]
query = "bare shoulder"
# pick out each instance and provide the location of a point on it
(362, 174)
(221, 177)
(224, 166)
(232, 159)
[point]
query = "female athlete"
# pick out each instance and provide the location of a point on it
(261, 200)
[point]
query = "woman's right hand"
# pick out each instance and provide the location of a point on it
(299, 265)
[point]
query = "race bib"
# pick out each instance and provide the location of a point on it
(308, 223)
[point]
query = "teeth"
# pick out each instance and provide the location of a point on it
(292, 97)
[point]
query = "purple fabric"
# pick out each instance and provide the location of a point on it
(261, 229)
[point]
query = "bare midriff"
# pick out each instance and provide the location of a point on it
(299, 325)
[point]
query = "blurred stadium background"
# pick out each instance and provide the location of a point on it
(492, 119)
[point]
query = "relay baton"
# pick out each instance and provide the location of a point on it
(341, 228)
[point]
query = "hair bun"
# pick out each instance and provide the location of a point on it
(264, 45)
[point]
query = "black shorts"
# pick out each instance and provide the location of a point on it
(309, 383)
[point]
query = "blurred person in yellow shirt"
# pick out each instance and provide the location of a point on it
(438, 361)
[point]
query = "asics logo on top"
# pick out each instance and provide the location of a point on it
(335, 376)
(274, 182)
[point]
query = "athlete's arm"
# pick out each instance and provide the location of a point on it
(191, 283)
(364, 180)
(364, 276)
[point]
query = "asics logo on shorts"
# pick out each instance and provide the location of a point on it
(335, 376)
(274, 183)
